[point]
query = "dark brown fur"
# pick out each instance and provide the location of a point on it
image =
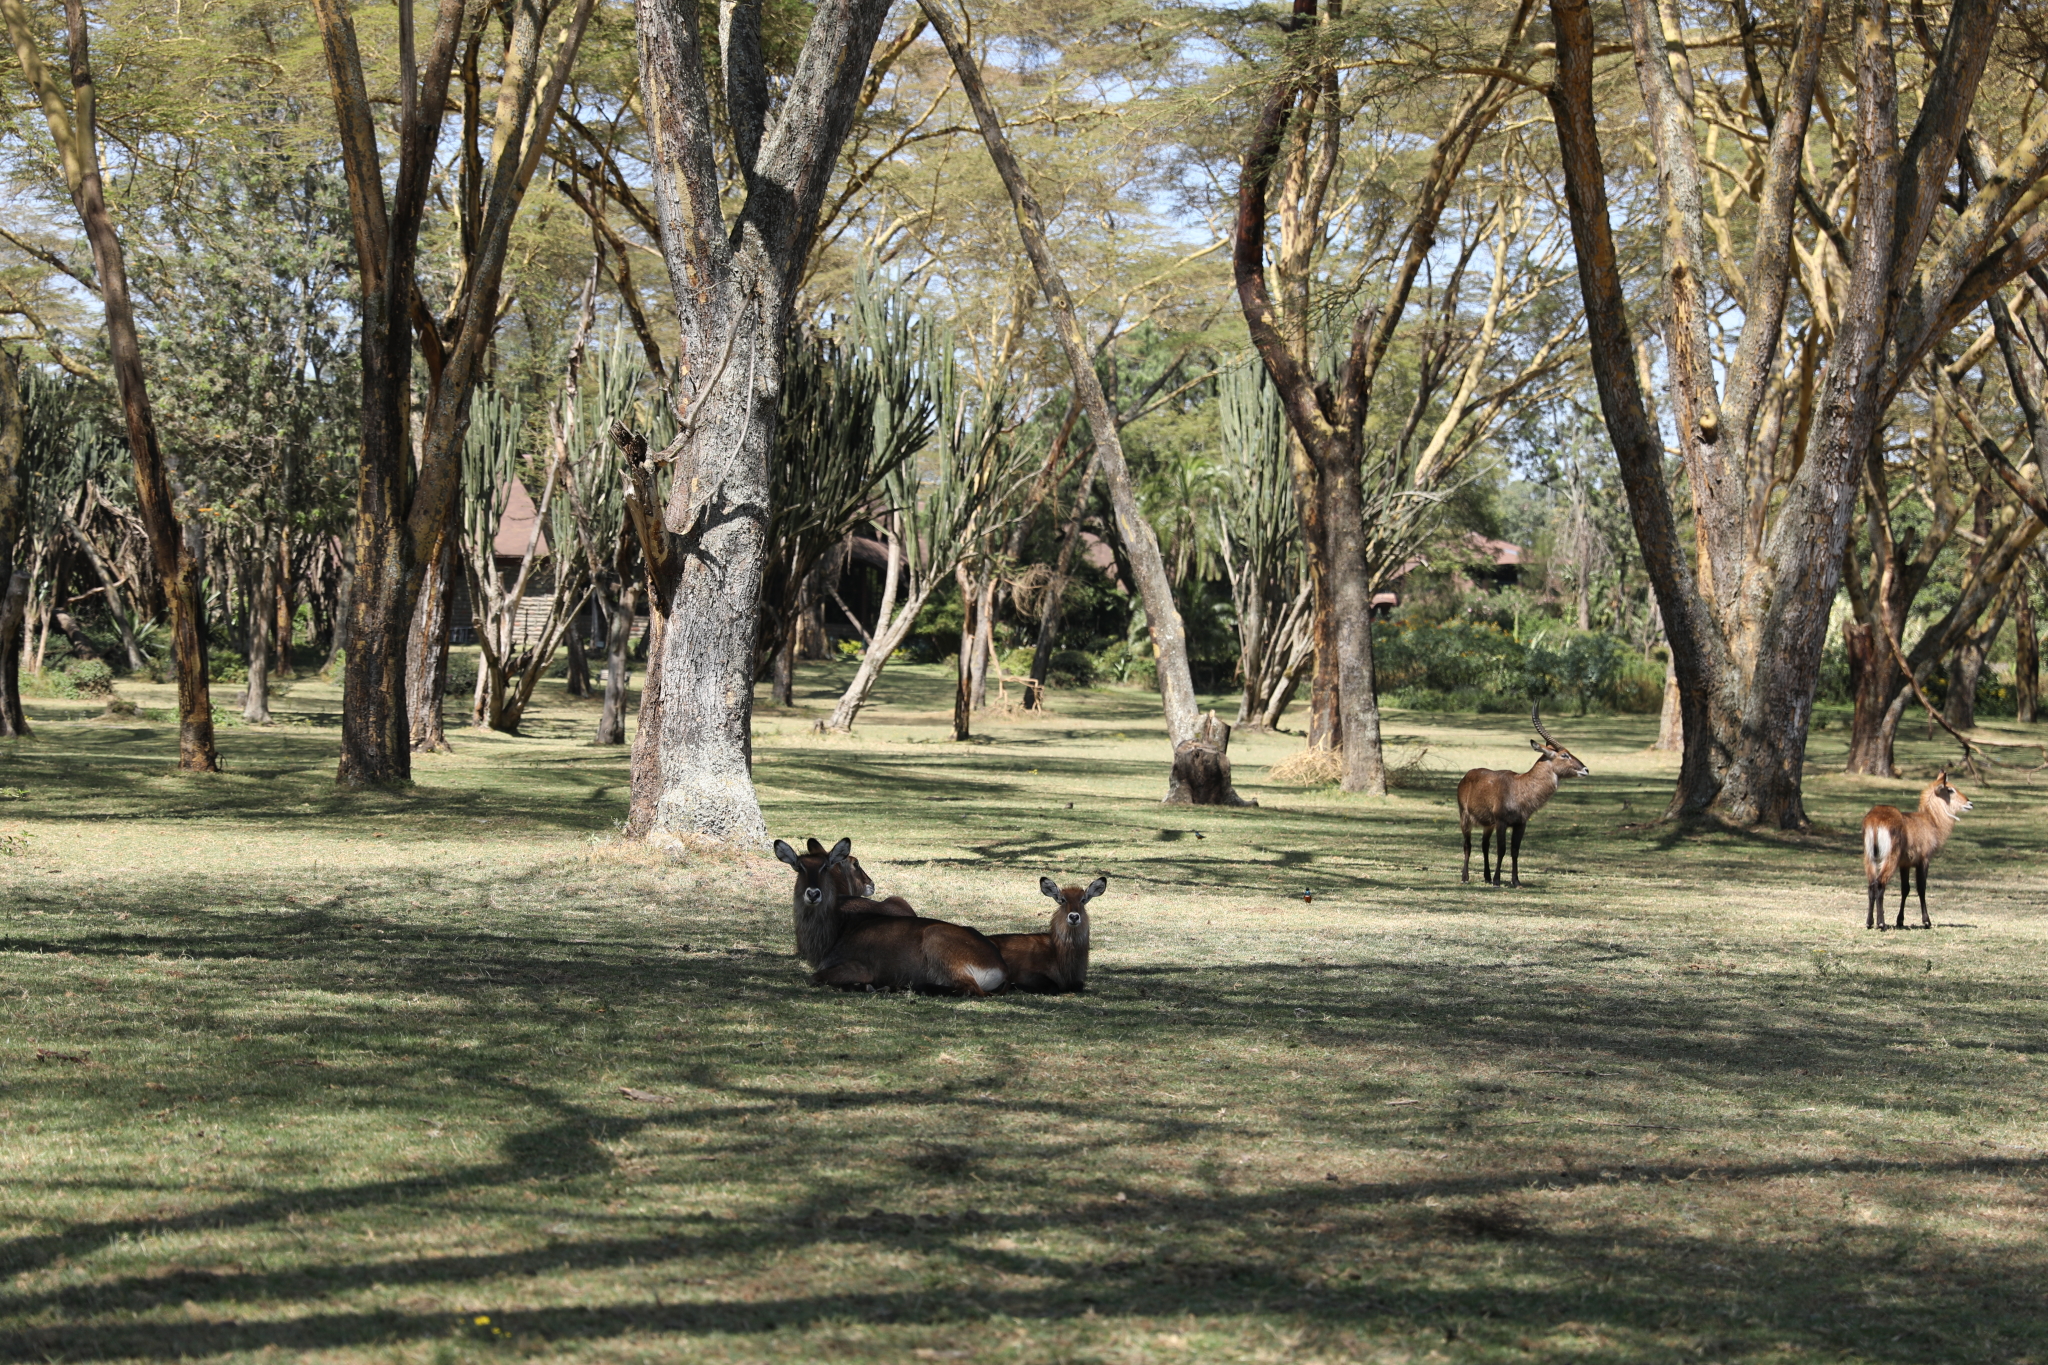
(1055, 961)
(1500, 802)
(857, 943)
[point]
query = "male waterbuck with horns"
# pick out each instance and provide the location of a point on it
(1055, 961)
(1497, 800)
(862, 944)
(1893, 839)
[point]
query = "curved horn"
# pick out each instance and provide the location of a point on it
(1537, 721)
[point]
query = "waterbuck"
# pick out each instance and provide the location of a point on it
(823, 898)
(857, 943)
(855, 883)
(1057, 960)
(1894, 839)
(1497, 800)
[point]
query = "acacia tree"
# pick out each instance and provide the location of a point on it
(1773, 497)
(1362, 493)
(74, 128)
(404, 516)
(14, 578)
(1148, 567)
(734, 279)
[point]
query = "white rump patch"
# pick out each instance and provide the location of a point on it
(1882, 838)
(988, 978)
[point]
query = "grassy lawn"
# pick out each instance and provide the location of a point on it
(292, 1074)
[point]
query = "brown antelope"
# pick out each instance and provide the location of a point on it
(1056, 961)
(859, 944)
(855, 883)
(818, 916)
(1894, 839)
(1497, 800)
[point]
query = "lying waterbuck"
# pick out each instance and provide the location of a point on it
(822, 899)
(855, 883)
(1893, 839)
(1057, 960)
(858, 944)
(1496, 800)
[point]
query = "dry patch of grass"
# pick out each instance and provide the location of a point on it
(453, 1074)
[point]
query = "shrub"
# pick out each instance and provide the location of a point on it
(1070, 668)
(1589, 668)
(461, 681)
(1451, 658)
(89, 677)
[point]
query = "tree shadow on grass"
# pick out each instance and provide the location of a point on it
(1331, 1260)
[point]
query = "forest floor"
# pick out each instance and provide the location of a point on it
(454, 1074)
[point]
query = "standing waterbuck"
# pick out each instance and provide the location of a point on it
(1057, 960)
(1497, 800)
(1893, 839)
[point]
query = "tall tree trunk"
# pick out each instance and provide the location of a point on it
(1874, 681)
(1670, 719)
(734, 283)
(287, 610)
(618, 641)
(426, 655)
(13, 519)
(403, 512)
(983, 647)
(75, 130)
(963, 673)
(1056, 590)
(1162, 615)
(2026, 657)
(782, 668)
(262, 620)
(577, 683)
(344, 596)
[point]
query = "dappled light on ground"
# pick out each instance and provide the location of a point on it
(293, 1073)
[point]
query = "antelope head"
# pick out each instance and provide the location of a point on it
(1563, 760)
(1070, 921)
(814, 872)
(1952, 800)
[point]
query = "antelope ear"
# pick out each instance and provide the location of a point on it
(1049, 887)
(788, 854)
(813, 847)
(841, 851)
(1095, 888)
(1538, 747)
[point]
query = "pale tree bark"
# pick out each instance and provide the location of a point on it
(262, 621)
(426, 655)
(734, 283)
(1328, 423)
(2026, 655)
(1155, 588)
(659, 569)
(403, 515)
(14, 583)
(74, 128)
(1748, 625)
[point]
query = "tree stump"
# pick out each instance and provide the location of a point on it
(1201, 769)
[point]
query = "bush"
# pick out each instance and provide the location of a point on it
(461, 681)
(88, 677)
(1070, 668)
(1477, 666)
(1455, 658)
(1590, 668)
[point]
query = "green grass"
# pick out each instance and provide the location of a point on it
(353, 1063)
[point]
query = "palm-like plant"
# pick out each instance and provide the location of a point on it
(1259, 533)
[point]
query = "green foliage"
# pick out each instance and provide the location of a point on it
(1463, 665)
